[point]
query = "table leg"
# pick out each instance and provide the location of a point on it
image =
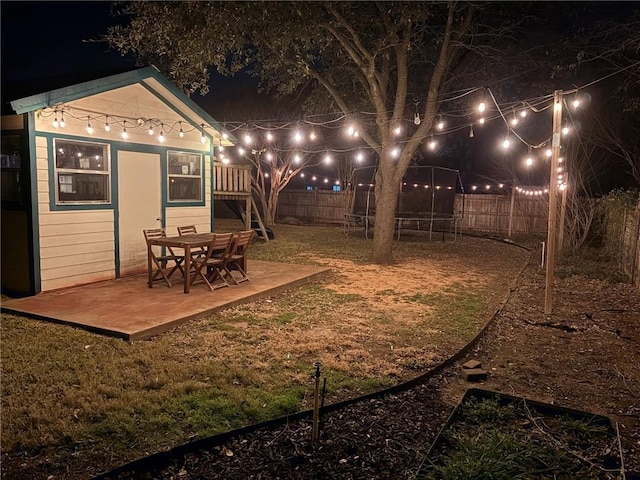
(187, 268)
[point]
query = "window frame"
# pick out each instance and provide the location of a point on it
(59, 172)
(189, 175)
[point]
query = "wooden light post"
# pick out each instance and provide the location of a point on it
(553, 189)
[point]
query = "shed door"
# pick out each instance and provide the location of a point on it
(139, 207)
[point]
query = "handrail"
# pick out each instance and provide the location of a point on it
(231, 179)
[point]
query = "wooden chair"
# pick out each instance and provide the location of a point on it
(162, 258)
(191, 230)
(237, 260)
(212, 266)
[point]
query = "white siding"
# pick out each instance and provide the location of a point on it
(75, 246)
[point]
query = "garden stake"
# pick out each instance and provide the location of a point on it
(316, 404)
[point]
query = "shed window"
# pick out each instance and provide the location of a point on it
(82, 172)
(184, 172)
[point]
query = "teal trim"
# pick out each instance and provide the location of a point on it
(165, 184)
(105, 84)
(213, 182)
(164, 81)
(35, 223)
(113, 154)
(80, 90)
(53, 187)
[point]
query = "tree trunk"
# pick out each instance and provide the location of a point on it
(272, 205)
(386, 200)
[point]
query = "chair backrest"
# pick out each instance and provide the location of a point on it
(187, 230)
(220, 245)
(242, 242)
(150, 233)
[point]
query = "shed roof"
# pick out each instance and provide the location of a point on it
(149, 77)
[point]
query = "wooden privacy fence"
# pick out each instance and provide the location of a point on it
(482, 213)
(622, 236)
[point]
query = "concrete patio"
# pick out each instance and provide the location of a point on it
(129, 309)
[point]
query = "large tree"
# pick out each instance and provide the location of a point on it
(382, 58)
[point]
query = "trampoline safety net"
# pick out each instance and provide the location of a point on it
(426, 192)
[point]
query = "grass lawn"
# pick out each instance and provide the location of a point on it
(82, 403)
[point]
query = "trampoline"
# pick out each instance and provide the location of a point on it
(425, 201)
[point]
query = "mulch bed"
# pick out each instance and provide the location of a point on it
(584, 356)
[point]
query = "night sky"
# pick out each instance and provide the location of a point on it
(46, 45)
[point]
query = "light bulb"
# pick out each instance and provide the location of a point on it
(181, 133)
(296, 158)
(506, 143)
(161, 137)
(297, 136)
(269, 136)
(151, 131)
(359, 157)
(481, 121)
(440, 125)
(107, 127)
(395, 153)
(62, 122)
(225, 160)
(312, 135)
(56, 124)
(269, 156)
(89, 127)
(482, 107)
(576, 103)
(432, 144)
(514, 121)
(247, 139)
(241, 150)
(125, 135)
(327, 159)
(397, 130)
(548, 152)
(523, 113)
(529, 161)
(326, 180)
(565, 130)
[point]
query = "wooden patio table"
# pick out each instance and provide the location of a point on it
(186, 242)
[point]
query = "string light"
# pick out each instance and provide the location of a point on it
(506, 143)
(107, 127)
(89, 127)
(56, 124)
(150, 129)
(124, 133)
(247, 138)
(440, 124)
(297, 136)
(359, 157)
(269, 137)
(397, 130)
(203, 138)
(181, 133)
(432, 144)
(482, 107)
(161, 136)
(62, 122)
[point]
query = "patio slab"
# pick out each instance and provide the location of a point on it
(128, 308)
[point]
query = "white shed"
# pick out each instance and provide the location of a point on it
(103, 160)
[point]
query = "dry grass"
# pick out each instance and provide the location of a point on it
(72, 399)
